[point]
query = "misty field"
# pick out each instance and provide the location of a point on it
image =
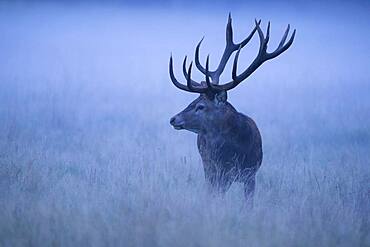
(88, 157)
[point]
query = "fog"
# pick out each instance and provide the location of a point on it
(88, 157)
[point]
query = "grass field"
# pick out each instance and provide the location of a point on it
(88, 158)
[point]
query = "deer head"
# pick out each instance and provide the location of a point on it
(211, 109)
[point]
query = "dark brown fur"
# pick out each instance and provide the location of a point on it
(228, 141)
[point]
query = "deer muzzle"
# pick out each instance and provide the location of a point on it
(177, 122)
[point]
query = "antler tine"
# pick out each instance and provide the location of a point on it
(247, 39)
(267, 33)
(229, 31)
(184, 67)
(192, 88)
(284, 37)
(197, 62)
(188, 78)
(235, 64)
(281, 48)
(208, 82)
(263, 44)
(186, 73)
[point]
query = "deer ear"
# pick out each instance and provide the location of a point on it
(221, 97)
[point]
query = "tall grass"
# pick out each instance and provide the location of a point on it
(88, 158)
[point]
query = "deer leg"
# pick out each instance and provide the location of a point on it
(249, 186)
(218, 181)
(224, 187)
(224, 183)
(211, 180)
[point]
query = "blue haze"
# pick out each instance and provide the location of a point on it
(87, 155)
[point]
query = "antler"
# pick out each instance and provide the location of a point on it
(190, 86)
(263, 55)
(229, 49)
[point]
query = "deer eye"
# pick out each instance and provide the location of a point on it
(199, 107)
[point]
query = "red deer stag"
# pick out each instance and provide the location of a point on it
(229, 142)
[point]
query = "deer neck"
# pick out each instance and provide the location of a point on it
(213, 137)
